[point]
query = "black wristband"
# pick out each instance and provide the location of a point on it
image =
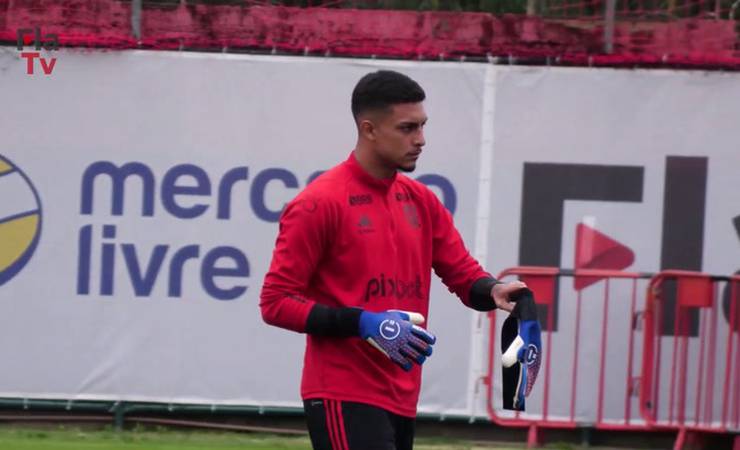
(328, 321)
(480, 294)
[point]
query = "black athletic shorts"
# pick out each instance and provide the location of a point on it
(337, 425)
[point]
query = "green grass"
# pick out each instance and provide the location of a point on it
(12, 438)
(73, 438)
(57, 437)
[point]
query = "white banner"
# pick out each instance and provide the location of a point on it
(139, 194)
(161, 177)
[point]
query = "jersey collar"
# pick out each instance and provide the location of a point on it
(360, 173)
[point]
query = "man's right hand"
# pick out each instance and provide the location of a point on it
(398, 336)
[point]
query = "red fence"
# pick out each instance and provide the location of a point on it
(672, 361)
(679, 42)
(697, 294)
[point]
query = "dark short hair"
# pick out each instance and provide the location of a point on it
(382, 89)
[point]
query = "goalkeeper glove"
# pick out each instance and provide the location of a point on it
(397, 336)
(521, 348)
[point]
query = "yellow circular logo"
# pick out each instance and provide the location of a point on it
(20, 220)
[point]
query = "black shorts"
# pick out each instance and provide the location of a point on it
(338, 425)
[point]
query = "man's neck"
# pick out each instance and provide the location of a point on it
(368, 160)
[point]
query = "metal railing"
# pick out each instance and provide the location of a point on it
(687, 354)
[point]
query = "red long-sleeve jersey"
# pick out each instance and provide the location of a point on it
(352, 240)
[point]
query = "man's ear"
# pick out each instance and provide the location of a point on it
(367, 129)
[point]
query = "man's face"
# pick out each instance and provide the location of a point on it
(399, 135)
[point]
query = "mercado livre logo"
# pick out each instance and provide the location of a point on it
(20, 219)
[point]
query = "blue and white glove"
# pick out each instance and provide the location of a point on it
(521, 345)
(398, 336)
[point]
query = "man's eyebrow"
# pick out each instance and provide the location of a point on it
(413, 122)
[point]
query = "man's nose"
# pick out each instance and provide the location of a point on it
(419, 140)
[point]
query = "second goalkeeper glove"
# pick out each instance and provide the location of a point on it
(522, 350)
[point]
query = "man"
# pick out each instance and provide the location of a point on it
(355, 247)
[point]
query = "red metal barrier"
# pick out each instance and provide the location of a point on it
(693, 351)
(544, 283)
(692, 365)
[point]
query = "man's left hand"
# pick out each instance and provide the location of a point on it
(501, 294)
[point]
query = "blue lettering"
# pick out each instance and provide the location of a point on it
(109, 231)
(224, 190)
(83, 260)
(176, 266)
(143, 284)
(107, 261)
(209, 271)
(143, 273)
(170, 189)
(257, 196)
(118, 178)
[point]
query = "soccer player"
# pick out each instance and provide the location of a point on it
(352, 268)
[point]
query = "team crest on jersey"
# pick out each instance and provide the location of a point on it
(412, 214)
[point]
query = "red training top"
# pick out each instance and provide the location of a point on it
(352, 240)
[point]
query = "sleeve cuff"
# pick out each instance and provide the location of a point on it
(480, 294)
(338, 322)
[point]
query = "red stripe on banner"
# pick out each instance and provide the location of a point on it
(342, 432)
(330, 424)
